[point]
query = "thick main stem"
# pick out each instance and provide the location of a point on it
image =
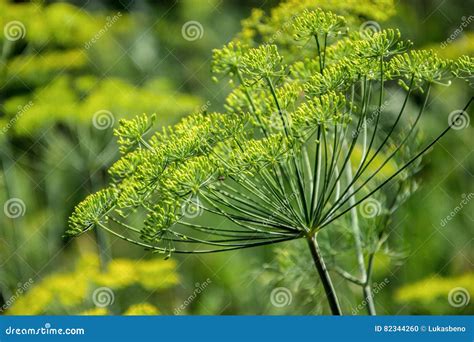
(324, 275)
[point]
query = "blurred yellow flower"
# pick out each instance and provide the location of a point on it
(429, 289)
(142, 310)
(95, 312)
(71, 290)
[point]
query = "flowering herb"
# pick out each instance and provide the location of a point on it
(299, 146)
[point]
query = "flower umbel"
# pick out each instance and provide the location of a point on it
(299, 146)
(270, 185)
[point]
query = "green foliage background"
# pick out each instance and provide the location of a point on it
(53, 82)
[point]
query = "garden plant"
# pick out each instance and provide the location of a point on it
(305, 137)
(57, 110)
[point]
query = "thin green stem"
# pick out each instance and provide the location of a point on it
(321, 68)
(406, 165)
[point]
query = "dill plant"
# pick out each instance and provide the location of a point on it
(56, 114)
(303, 141)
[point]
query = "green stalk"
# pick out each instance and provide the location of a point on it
(249, 98)
(324, 275)
(366, 287)
(277, 103)
(321, 67)
(316, 171)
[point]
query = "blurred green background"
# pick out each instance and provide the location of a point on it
(69, 70)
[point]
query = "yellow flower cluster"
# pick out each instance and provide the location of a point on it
(54, 74)
(429, 289)
(35, 69)
(59, 24)
(279, 24)
(77, 100)
(141, 309)
(69, 291)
